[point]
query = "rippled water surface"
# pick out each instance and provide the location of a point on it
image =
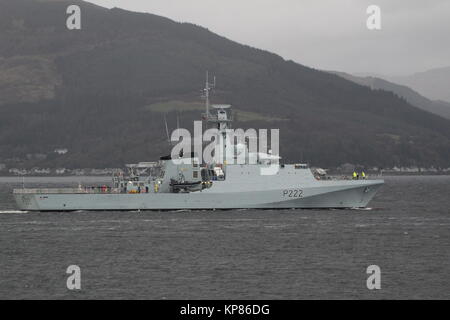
(241, 254)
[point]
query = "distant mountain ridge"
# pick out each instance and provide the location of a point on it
(433, 84)
(440, 108)
(90, 90)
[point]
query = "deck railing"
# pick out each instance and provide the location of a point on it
(65, 191)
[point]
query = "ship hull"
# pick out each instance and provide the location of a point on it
(332, 194)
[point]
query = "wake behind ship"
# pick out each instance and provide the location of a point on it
(192, 184)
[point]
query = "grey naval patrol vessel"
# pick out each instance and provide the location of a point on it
(170, 185)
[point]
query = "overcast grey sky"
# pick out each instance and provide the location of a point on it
(325, 34)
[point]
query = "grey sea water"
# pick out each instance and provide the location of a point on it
(236, 254)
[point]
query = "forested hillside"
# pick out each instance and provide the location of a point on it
(94, 92)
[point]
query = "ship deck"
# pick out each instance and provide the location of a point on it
(66, 191)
